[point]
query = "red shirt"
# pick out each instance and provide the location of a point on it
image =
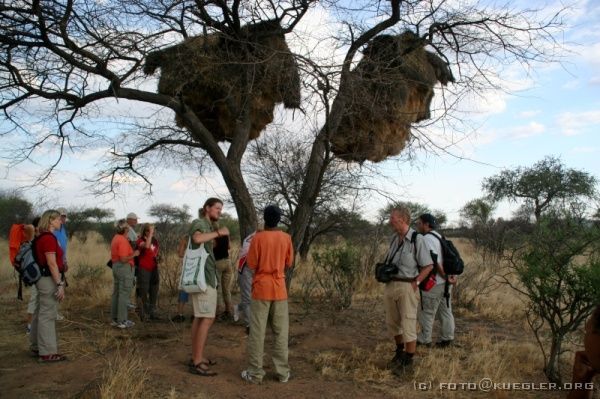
(147, 258)
(270, 253)
(120, 248)
(46, 243)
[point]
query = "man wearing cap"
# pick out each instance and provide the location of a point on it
(270, 253)
(435, 302)
(132, 221)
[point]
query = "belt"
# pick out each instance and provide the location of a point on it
(404, 280)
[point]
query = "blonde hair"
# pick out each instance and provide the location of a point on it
(48, 217)
(403, 212)
(121, 226)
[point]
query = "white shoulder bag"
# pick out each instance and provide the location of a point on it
(193, 278)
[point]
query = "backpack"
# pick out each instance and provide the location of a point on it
(26, 265)
(453, 263)
(16, 237)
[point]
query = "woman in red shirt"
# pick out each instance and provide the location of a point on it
(148, 278)
(51, 289)
(122, 256)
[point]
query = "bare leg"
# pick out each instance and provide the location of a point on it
(200, 329)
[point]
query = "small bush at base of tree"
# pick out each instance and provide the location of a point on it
(558, 272)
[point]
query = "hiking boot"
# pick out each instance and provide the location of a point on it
(28, 329)
(396, 358)
(114, 323)
(444, 343)
(246, 376)
(178, 318)
(286, 378)
(425, 345)
(402, 364)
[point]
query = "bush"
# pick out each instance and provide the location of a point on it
(558, 269)
(337, 271)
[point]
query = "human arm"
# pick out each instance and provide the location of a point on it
(202, 232)
(289, 257)
(423, 273)
(55, 274)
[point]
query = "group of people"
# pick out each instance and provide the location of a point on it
(47, 237)
(264, 258)
(134, 259)
(418, 256)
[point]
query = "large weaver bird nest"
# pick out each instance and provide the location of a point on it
(219, 74)
(390, 88)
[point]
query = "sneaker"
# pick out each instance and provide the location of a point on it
(28, 329)
(425, 345)
(59, 317)
(236, 313)
(286, 378)
(114, 323)
(178, 318)
(131, 306)
(246, 376)
(125, 324)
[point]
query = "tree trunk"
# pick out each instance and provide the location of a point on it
(552, 368)
(244, 205)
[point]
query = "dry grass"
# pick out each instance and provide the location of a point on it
(493, 339)
(125, 375)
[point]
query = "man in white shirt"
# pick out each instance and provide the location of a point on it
(434, 304)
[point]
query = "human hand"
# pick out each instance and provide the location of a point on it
(452, 279)
(60, 292)
(136, 253)
(223, 231)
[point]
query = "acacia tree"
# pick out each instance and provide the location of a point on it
(478, 212)
(542, 185)
(62, 62)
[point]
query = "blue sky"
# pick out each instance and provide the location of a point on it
(554, 111)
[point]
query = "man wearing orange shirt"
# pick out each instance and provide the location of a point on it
(270, 253)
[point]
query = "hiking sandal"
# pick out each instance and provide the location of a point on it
(199, 370)
(52, 358)
(208, 362)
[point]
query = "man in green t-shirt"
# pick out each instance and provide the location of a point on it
(203, 232)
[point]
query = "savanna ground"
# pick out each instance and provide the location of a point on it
(333, 354)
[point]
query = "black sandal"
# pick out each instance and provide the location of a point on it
(198, 370)
(208, 362)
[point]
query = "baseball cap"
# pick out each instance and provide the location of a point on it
(62, 211)
(132, 215)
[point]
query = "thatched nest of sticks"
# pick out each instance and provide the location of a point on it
(390, 88)
(219, 74)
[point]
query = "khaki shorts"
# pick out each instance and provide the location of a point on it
(205, 303)
(401, 302)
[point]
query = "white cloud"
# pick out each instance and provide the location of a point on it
(525, 131)
(530, 113)
(573, 123)
(594, 80)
